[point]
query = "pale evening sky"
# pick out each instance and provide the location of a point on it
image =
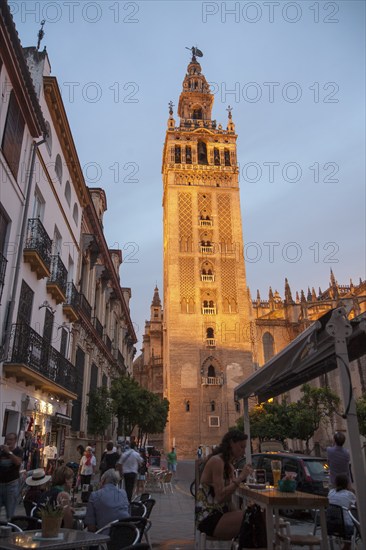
(294, 73)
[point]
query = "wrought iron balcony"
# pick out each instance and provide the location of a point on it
(108, 343)
(57, 282)
(85, 307)
(37, 248)
(209, 311)
(121, 361)
(207, 278)
(34, 361)
(98, 327)
(71, 306)
(3, 262)
(212, 381)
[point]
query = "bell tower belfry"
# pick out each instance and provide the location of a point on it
(207, 342)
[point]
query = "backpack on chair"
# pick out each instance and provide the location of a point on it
(253, 532)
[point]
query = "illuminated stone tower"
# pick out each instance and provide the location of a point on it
(207, 349)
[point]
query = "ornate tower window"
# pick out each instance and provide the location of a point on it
(202, 152)
(207, 273)
(227, 157)
(210, 337)
(188, 154)
(216, 156)
(177, 154)
(197, 113)
(212, 406)
(187, 406)
(208, 307)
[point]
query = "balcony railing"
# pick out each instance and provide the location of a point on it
(72, 302)
(121, 361)
(206, 223)
(207, 278)
(28, 348)
(85, 307)
(98, 327)
(37, 248)
(212, 381)
(108, 343)
(57, 282)
(3, 262)
(206, 249)
(210, 342)
(209, 311)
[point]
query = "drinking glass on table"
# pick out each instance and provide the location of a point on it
(276, 471)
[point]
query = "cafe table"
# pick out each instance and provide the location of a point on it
(69, 538)
(272, 500)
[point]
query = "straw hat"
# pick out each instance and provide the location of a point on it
(38, 478)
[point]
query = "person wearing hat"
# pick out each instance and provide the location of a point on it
(37, 484)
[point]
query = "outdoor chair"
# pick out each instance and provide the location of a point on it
(149, 505)
(353, 514)
(138, 509)
(14, 528)
(142, 498)
(286, 540)
(26, 523)
(143, 524)
(121, 533)
(336, 527)
(166, 482)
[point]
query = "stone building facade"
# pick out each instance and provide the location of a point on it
(65, 325)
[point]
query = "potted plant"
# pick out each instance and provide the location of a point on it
(51, 514)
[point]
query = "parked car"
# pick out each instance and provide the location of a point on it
(312, 473)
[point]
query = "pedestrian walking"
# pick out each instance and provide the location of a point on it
(128, 466)
(109, 459)
(338, 459)
(10, 460)
(87, 466)
(199, 452)
(172, 461)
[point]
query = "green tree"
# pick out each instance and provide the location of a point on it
(126, 395)
(298, 420)
(99, 411)
(361, 414)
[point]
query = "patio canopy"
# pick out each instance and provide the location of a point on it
(329, 343)
(310, 355)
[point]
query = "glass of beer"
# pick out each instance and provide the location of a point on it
(276, 471)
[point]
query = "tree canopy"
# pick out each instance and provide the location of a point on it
(299, 420)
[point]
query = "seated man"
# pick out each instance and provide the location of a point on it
(107, 504)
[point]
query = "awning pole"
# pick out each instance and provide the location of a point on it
(340, 328)
(248, 451)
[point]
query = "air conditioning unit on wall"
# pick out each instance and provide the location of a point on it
(214, 421)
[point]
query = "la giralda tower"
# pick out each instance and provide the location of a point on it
(207, 330)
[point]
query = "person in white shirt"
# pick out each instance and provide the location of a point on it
(128, 466)
(340, 496)
(87, 466)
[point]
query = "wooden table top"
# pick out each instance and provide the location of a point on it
(278, 498)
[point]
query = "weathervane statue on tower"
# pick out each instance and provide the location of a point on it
(195, 52)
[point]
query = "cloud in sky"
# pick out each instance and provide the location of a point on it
(294, 74)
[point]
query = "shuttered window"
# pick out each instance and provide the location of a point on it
(13, 135)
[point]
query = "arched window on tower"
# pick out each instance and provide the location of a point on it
(188, 154)
(268, 346)
(210, 337)
(197, 114)
(187, 406)
(227, 157)
(202, 152)
(216, 156)
(211, 373)
(212, 406)
(177, 154)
